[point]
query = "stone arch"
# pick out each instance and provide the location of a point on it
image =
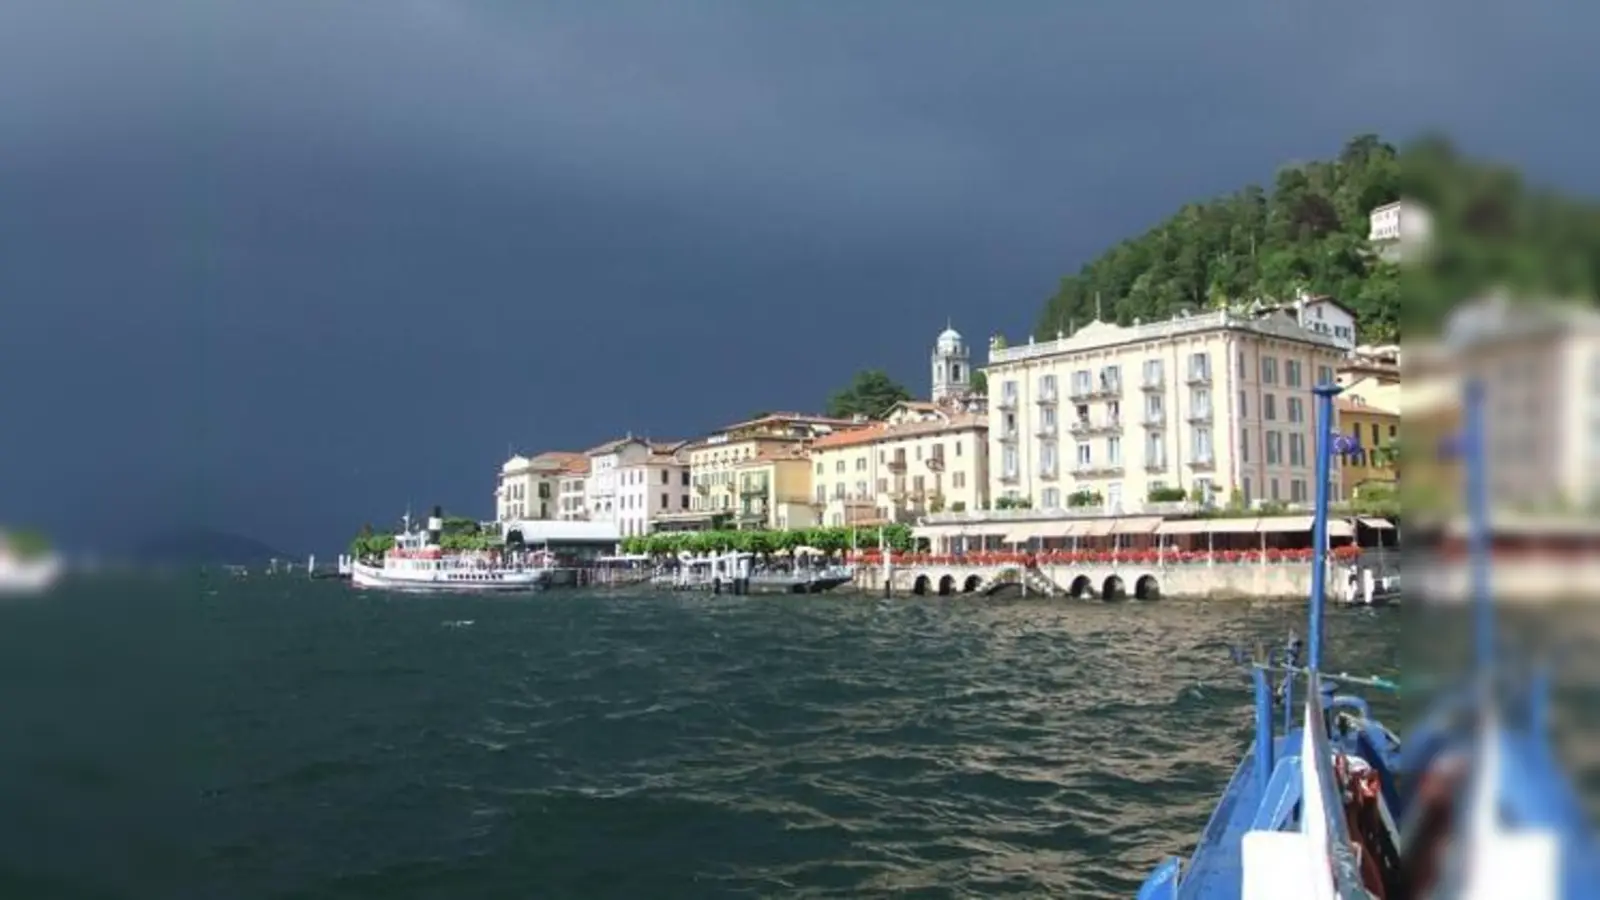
(1082, 586)
(1113, 588)
(972, 583)
(947, 585)
(1148, 587)
(920, 586)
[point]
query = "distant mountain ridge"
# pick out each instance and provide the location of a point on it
(199, 546)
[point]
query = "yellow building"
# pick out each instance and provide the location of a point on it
(1377, 431)
(1215, 405)
(530, 487)
(924, 458)
(754, 474)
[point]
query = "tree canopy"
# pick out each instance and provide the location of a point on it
(1309, 232)
(870, 394)
(829, 540)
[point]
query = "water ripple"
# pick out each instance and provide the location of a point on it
(677, 746)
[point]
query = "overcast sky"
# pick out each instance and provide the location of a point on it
(283, 267)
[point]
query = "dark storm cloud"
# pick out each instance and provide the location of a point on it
(295, 264)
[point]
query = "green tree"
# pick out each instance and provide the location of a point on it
(980, 383)
(870, 394)
(1309, 232)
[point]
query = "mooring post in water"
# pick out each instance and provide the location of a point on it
(1264, 748)
(1319, 532)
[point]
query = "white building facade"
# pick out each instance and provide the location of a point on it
(1217, 406)
(1329, 318)
(651, 479)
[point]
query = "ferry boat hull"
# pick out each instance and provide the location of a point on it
(32, 576)
(459, 581)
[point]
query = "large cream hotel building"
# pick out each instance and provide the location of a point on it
(1214, 404)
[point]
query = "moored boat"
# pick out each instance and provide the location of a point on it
(418, 564)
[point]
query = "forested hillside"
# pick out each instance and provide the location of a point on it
(1310, 232)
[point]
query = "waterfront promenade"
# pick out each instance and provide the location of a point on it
(1138, 575)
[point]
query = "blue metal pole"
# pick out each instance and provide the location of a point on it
(1319, 528)
(1264, 739)
(1475, 462)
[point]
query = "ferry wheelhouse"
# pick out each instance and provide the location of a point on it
(418, 563)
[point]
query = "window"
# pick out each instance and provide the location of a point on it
(1273, 493)
(1155, 450)
(1324, 375)
(1047, 387)
(1008, 462)
(1153, 373)
(1111, 378)
(861, 464)
(1114, 451)
(1085, 455)
(838, 467)
(1249, 495)
(1200, 366)
(822, 493)
(838, 491)
(1052, 498)
(1269, 407)
(1048, 418)
(685, 477)
(820, 470)
(1291, 372)
(1080, 382)
(1200, 444)
(1297, 449)
(861, 489)
(883, 485)
(958, 480)
(1274, 449)
(666, 502)
(1297, 409)
(1047, 459)
(1244, 445)
(684, 504)
(1297, 490)
(1269, 370)
(1153, 411)
(1200, 403)
(1242, 369)
(958, 448)
(1244, 405)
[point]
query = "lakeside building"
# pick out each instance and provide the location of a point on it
(529, 487)
(573, 495)
(1539, 363)
(652, 478)
(1113, 416)
(754, 474)
(922, 457)
(620, 473)
(1377, 433)
(1399, 229)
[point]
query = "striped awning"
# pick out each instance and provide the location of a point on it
(1096, 527)
(1185, 526)
(1136, 525)
(1285, 523)
(1248, 525)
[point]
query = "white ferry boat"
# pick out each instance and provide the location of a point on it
(418, 564)
(26, 574)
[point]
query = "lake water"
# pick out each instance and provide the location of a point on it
(283, 738)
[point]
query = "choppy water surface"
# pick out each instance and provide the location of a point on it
(265, 739)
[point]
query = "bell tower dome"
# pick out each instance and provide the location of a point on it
(952, 369)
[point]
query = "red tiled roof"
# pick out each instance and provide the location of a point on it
(880, 431)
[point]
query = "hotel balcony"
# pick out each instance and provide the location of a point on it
(1007, 401)
(1046, 398)
(1155, 465)
(1199, 416)
(1081, 393)
(1203, 462)
(1107, 425)
(1011, 477)
(1009, 436)
(1106, 389)
(1154, 420)
(897, 464)
(935, 463)
(1096, 470)
(1153, 383)
(1049, 473)
(1199, 377)
(1046, 432)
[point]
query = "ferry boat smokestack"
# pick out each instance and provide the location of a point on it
(435, 527)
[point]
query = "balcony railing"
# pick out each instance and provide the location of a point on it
(1156, 465)
(1009, 435)
(1199, 376)
(1007, 401)
(1199, 415)
(1010, 477)
(935, 463)
(1096, 469)
(1081, 392)
(1046, 398)
(1107, 425)
(1206, 461)
(1049, 473)
(979, 516)
(1045, 432)
(1154, 419)
(1110, 387)
(1153, 382)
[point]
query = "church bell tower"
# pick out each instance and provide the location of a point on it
(952, 367)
